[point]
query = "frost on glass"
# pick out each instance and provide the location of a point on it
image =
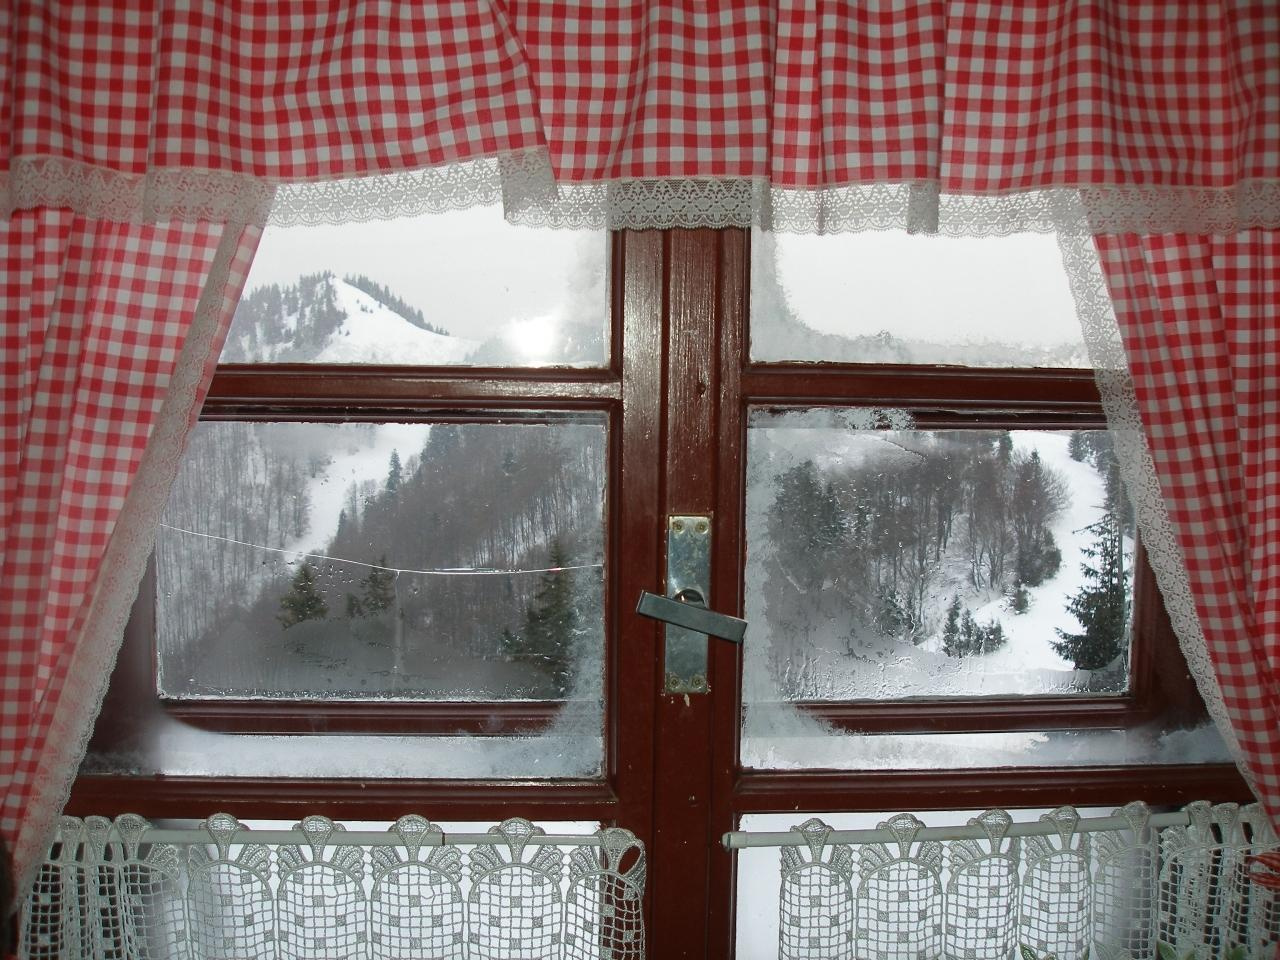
(385, 561)
(460, 288)
(890, 297)
(891, 564)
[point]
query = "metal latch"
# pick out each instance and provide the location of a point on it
(683, 609)
(687, 609)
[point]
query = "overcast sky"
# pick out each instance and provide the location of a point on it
(945, 289)
(471, 272)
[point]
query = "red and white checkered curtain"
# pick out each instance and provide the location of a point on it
(131, 129)
(109, 339)
(1200, 320)
(147, 108)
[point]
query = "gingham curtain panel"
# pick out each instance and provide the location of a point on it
(186, 114)
(110, 333)
(1200, 320)
(185, 108)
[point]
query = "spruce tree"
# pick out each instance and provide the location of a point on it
(378, 589)
(1101, 606)
(968, 635)
(993, 637)
(1077, 446)
(807, 524)
(951, 629)
(551, 620)
(395, 473)
(303, 601)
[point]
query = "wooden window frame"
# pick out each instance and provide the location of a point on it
(300, 395)
(951, 398)
(938, 397)
(316, 392)
(673, 770)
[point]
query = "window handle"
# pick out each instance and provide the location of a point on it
(688, 609)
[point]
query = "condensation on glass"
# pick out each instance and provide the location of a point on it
(889, 297)
(460, 288)
(905, 565)
(385, 561)
(894, 564)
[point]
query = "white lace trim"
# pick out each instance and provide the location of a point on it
(516, 180)
(121, 570)
(91, 191)
(525, 185)
(1137, 469)
(1254, 203)
(920, 208)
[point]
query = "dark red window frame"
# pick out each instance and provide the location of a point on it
(673, 771)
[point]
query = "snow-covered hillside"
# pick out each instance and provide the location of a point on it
(822, 665)
(1028, 658)
(354, 464)
(325, 319)
(374, 333)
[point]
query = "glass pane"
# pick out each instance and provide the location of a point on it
(887, 297)
(374, 561)
(888, 564)
(462, 288)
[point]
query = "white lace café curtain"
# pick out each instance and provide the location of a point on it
(143, 146)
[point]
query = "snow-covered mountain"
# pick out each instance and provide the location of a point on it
(326, 319)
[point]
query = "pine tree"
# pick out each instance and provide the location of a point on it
(951, 629)
(395, 473)
(1021, 599)
(379, 589)
(807, 524)
(993, 637)
(303, 601)
(1038, 558)
(1117, 500)
(1004, 447)
(1077, 446)
(551, 620)
(1101, 606)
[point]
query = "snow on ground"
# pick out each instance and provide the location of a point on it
(1029, 651)
(777, 735)
(354, 465)
(374, 333)
(1028, 663)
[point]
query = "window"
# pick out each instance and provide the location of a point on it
(955, 554)
(663, 402)
(391, 522)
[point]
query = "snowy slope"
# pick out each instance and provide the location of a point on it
(353, 465)
(1030, 634)
(1027, 664)
(374, 333)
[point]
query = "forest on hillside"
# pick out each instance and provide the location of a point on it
(891, 551)
(385, 598)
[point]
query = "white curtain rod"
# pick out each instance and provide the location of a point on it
(744, 839)
(348, 838)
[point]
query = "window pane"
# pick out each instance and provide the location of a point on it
(374, 561)
(888, 564)
(463, 288)
(887, 297)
